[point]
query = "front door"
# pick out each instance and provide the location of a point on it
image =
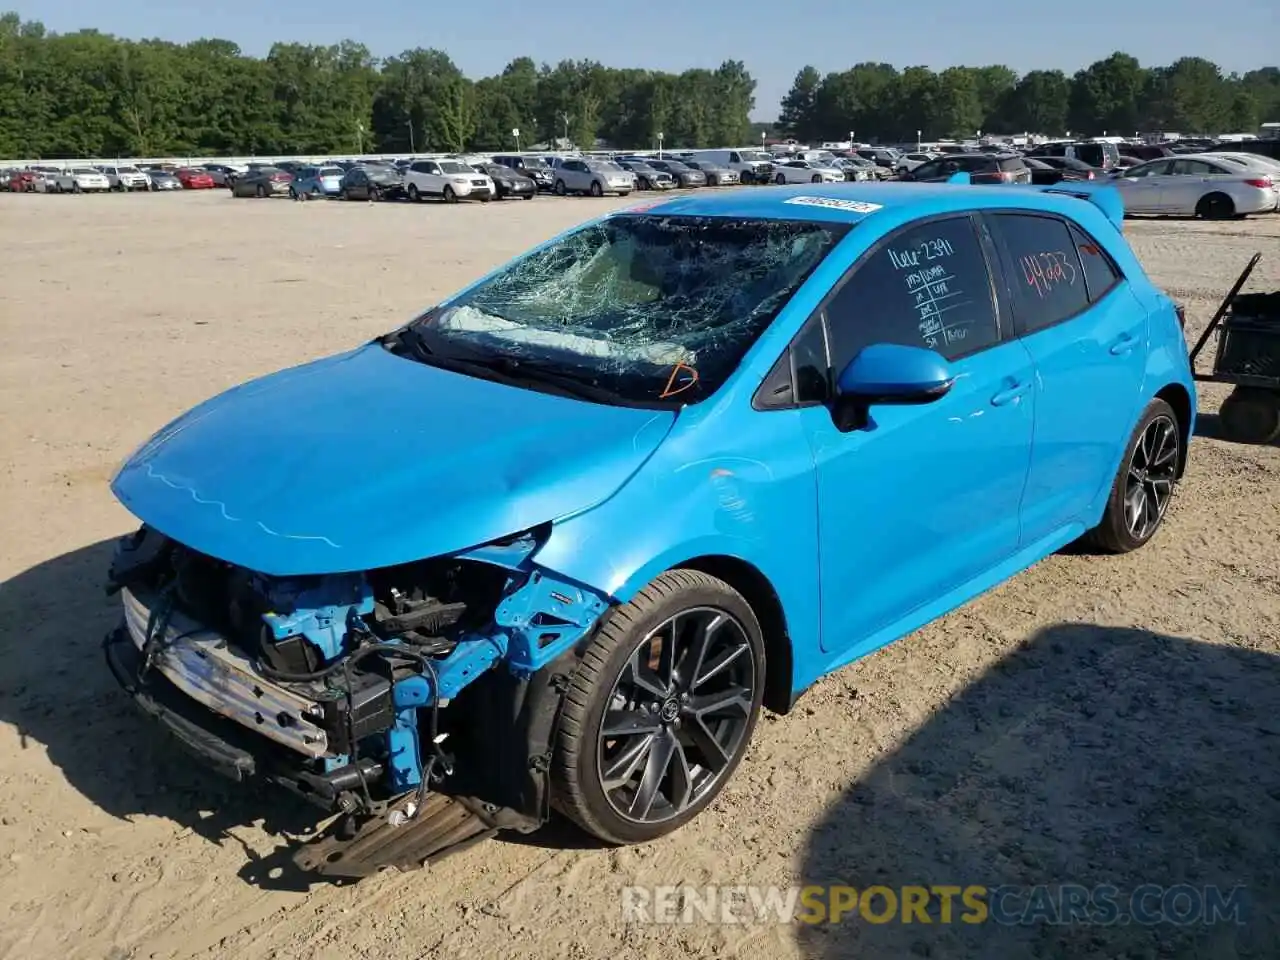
(925, 498)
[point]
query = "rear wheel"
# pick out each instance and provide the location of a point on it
(1250, 415)
(660, 710)
(261, 192)
(1143, 487)
(414, 196)
(779, 179)
(560, 189)
(1215, 206)
(816, 178)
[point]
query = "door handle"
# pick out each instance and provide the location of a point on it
(1123, 344)
(1010, 393)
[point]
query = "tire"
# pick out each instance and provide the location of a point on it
(375, 194)
(293, 194)
(261, 192)
(780, 180)
(615, 668)
(816, 178)
(1216, 206)
(527, 196)
(1250, 415)
(75, 188)
(643, 184)
(559, 189)
(449, 196)
(596, 189)
(414, 196)
(1145, 482)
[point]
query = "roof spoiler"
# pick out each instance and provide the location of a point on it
(1104, 196)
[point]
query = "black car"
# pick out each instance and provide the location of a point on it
(534, 168)
(373, 182)
(1101, 156)
(1056, 169)
(981, 167)
(684, 176)
(507, 182)
(1263, 148)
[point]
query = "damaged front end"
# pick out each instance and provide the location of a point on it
(373, 695)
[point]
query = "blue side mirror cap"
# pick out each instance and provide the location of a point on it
(893, 373)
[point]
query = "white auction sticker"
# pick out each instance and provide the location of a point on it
(857, 206)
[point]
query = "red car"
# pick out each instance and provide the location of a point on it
(20, 181)
(194, 179)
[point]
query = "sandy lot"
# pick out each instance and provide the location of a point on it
(1093, 721)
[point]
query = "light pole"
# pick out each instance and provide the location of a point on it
(515, 132)
(411, 147)
(659, 144)
(918, 141)
(565, 118)
(851, 139)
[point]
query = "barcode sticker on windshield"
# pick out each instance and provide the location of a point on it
(857, 206)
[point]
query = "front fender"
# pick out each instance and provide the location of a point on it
(746, 492)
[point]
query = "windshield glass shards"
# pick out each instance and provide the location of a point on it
(640, 309)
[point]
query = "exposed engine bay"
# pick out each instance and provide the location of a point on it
(376, 695)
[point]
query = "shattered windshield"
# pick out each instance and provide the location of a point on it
(634, 309)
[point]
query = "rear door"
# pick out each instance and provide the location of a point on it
(1189, 180)
(1087, 335)
(1144, 186)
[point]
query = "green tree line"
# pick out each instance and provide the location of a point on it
(92, 94)
(1116, 96)
(89, 94)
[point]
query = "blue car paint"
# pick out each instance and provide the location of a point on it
(889, 369)
(633, 493)
(366, 460)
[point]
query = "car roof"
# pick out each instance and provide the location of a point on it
(854, 202)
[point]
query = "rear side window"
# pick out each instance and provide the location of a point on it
(927, 287)
(1047, 280)
(1100, 274)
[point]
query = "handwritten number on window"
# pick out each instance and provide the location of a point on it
(1044, 272)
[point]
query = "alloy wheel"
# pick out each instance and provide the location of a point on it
(1153, 471)
(678, 715)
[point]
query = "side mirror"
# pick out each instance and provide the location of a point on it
(888, 373)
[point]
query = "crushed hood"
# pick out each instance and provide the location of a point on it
(366, 459)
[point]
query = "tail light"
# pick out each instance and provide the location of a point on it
(1004, 176)
(1089, 175)
(281, 177)
(1263, 182)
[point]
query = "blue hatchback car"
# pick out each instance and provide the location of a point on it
(554, 543)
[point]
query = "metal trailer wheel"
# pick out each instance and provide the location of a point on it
(1251, 415)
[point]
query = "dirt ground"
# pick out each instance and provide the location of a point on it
(1095, 720)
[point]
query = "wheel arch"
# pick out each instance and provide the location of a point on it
(763, 599)
(1179, 398)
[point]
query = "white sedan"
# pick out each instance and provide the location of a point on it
(805, 171)
(1198, 185)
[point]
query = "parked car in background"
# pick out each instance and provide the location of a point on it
(162, 179)
(507, 182)
(1068, 168)
(262, 182)
(1240, 159)
(535, 168)
(909, 161)
(805, 171)
(856, 168)
(885, 157)
(194, 178)
(751, 166)
(717, 174)
(1100, 156)
(125, 178)
(372, 182)
(43, 177)
(1143, 151)
(1262, 147)
(648, 177)
(683, 174)
(1197, 185)
(451, 180)
(596, 177)
(981, 167)
(20, 181)
(80, 180)
(224, 174)
(316, 182)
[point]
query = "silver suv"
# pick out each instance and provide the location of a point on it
(596, 177)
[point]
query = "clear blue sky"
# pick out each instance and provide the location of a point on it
(774, 37)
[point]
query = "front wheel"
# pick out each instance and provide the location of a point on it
(449, 196)
(779, 179)
(414, 196)
(660, 710)
(559, 189)
(816, 178)
(1143, 487)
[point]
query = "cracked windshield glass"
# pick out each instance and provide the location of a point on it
(634, 309)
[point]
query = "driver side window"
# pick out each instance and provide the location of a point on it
(928, 286)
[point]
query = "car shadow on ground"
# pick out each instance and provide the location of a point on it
(1090, 756)
(60, 696)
